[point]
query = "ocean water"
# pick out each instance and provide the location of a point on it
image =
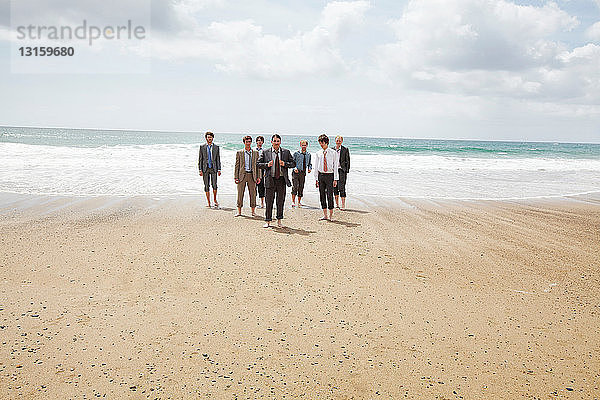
(80, 162)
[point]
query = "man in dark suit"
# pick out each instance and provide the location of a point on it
(275, 161)
(344, 168)
(209, 166)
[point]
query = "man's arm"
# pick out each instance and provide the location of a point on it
(336, 172)
(261, 161)
(255, 166)
(218, 159)
(347, 160)
(200, 160)
(289, 160)
(236, 173)
(317, 164)
(294, 156)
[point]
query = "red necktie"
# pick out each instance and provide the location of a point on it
(324, 161)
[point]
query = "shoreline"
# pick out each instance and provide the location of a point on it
(18, 204)
(136, 297)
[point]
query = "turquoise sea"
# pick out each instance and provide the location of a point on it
(114, 162)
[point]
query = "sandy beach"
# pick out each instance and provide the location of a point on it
(395, 298)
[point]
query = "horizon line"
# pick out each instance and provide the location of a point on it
(295, 134)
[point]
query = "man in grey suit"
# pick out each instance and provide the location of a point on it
(209, 166)
(275, 161)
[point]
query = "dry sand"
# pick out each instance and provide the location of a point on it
(139, 298)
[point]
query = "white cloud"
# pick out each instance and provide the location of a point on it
(242, 47)
(481, 47)
(593, 32)
(340, 16)
(182, 13)
(464, 34)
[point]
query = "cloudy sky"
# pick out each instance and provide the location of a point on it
(484, 69)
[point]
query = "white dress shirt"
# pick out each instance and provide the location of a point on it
(248, 160)
(332, 163)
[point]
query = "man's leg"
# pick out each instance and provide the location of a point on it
(269, 197)
(294, 187)
(336, 191)
(280, 187)
(323, 194)
(252, 191)
(240, 195)
(342, 187)
(329, 184)
(261, 191)
(206, 179)
(301, 180)
(214, 186)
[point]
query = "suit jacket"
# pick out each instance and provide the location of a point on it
(203, 158)
(269, 155)
(240, 165)
(344, 161)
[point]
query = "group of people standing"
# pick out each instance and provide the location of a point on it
(266, 171)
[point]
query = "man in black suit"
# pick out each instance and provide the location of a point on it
(275, 161)
(344, 168)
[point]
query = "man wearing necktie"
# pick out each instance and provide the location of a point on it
(209, 166)
(303, 166)
(326, 175)
(275, 161)
(261, 185)
(245, 174)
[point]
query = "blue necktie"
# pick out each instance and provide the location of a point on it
(209, 148)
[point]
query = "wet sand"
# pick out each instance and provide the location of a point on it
(395, 298)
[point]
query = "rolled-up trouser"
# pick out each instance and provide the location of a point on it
(246, 180)
(210, 176)
(298, 183)
(326, 190)
(261, 185)
(340, 189)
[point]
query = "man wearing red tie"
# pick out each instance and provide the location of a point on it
(275, 161)
(326, 175)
